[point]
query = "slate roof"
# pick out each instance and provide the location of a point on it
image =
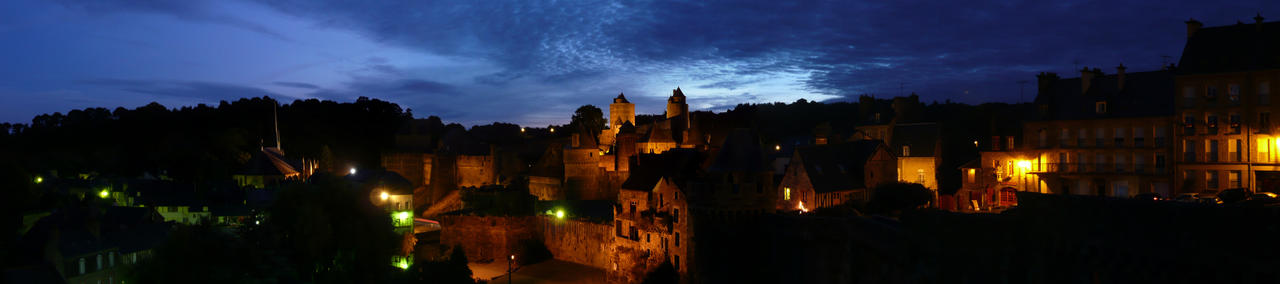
(922, 138)
(1232, 48)
(677, 165)
(741, 152)
(837, 167)
(660, 132)
(269, 162)
(1145, 94)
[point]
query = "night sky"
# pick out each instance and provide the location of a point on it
(476, 62)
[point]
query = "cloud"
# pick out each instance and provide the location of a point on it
(296, 85)
(205, 11)
(180, 89)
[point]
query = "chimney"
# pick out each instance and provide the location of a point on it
(1086, 77)
(1257, 21)
(1120, 77)
(1193, 26)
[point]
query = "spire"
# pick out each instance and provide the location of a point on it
(276, 121)
(620, 99)
(677, 92)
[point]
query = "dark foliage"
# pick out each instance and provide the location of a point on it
(330, 233)
(532, 251)
(201, 143)
(891, 199)
(665, 273)
(589, 118)
(452, 270)
(209, 254)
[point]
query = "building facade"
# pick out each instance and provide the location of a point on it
(1104, 135)
(1224, 105)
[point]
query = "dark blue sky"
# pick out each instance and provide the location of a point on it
(533, 62)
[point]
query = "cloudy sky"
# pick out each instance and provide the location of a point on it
(533, 62)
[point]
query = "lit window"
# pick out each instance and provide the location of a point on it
(81, 266)
(786, 193)
(99, 258)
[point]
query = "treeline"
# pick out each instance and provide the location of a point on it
(201, 143)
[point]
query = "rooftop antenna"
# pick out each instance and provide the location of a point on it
(276, 121)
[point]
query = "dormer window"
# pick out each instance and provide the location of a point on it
(906, 151)
(1100, 107)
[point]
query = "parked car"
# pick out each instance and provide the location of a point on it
(1148, 196)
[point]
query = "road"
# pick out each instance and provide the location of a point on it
(551, 271)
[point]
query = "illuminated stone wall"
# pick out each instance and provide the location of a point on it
(486, 238)
(545, 188)
(475, 171)
(579, 242)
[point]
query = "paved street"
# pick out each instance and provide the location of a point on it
(551, 271)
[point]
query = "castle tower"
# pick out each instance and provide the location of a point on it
(625, 149)
(621, 111)
(676, 105)
(678, 114)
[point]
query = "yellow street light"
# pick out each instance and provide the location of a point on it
(560, 214)
(777, 147)
(384, 196)
(104, 193)
(1024, 164)
(39, 180)
(352, 171)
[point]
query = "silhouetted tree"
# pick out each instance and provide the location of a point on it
(893, 198)
(589, 117)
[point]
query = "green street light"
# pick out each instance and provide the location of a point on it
(39, 179)
(104, 193)
(560, 214)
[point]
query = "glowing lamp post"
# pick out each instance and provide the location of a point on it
(352, 171)
(509, 261)
(104, 194)
(384, 196)
(560, 214)
(39, 180)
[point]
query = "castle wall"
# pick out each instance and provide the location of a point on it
(486, 238)
(475, 171)
(582, 174)
(579, 242)
(415, 167)
(545, 188)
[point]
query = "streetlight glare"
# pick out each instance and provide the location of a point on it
(353, 171)
(1024, 164)
(384, 196)
(560, 214)
(104, 193)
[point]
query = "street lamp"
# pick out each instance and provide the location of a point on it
(384, 195)
(509, 261)
(353, 171)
